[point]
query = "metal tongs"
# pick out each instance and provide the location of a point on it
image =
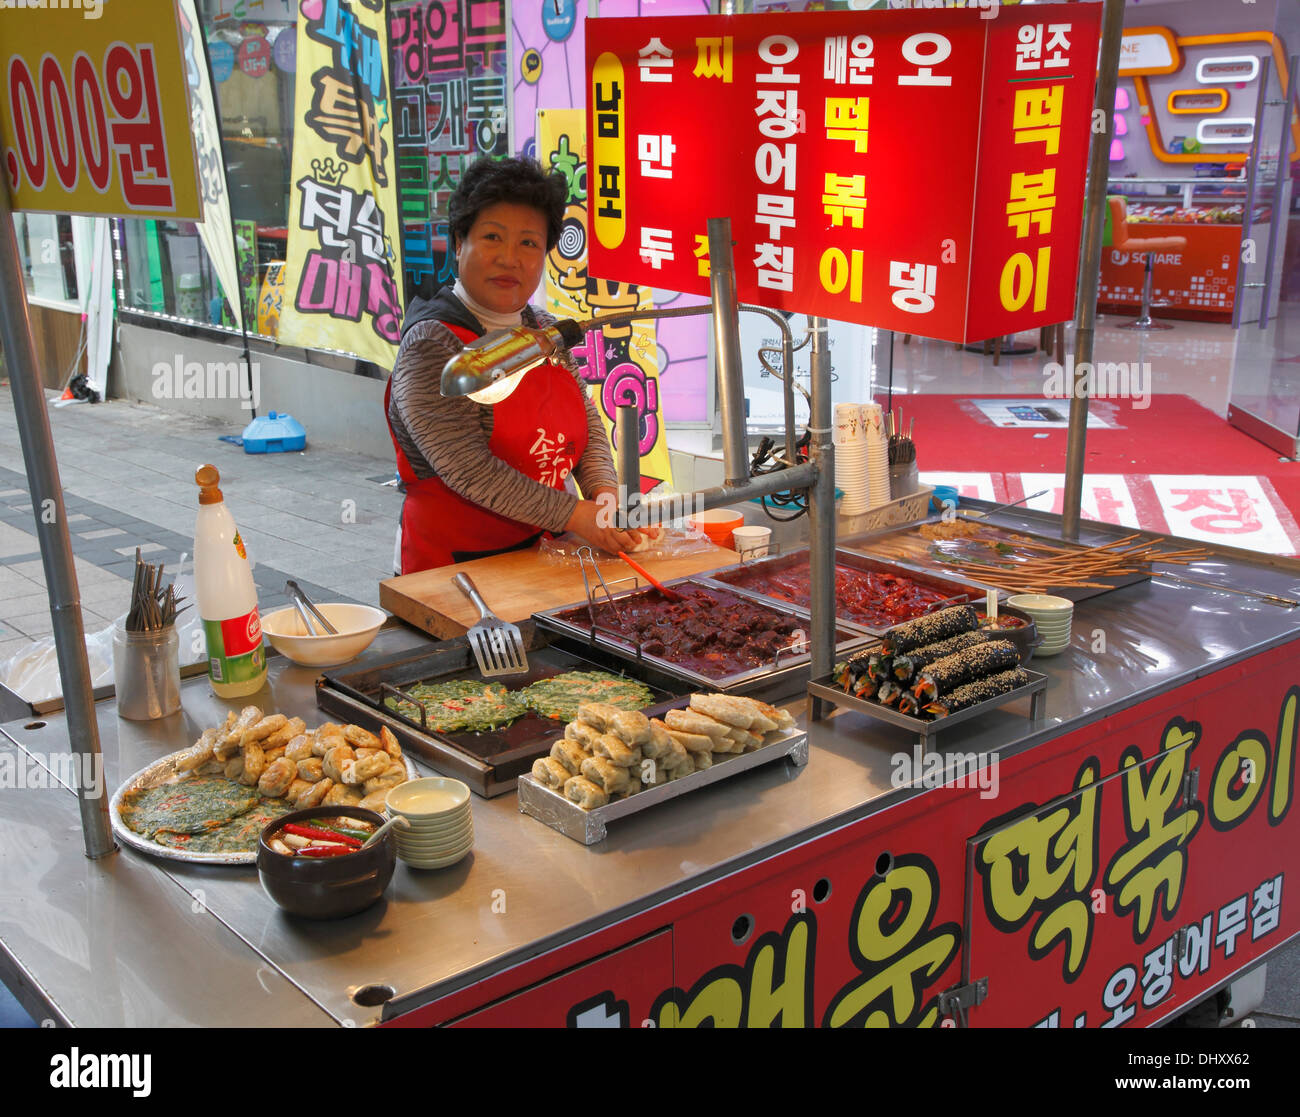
(585, 555)
(1260, 595)
(306, 610)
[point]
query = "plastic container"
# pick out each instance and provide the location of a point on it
(718, 524)
(274, 434)
(226, 595)
(751, 542)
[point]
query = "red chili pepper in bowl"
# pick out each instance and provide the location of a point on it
(320, 835)
(324, 851)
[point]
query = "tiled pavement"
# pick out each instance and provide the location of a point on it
(320, 516)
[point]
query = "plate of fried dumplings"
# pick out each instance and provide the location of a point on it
(607, 754)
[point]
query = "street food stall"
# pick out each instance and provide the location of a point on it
(1103, 841)
(1105, 863)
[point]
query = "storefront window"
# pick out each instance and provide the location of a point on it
(165, 267)
(48, 260)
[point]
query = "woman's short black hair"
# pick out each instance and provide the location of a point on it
(519, 180)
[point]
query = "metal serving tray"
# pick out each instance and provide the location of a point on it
(589, 827)
(923, 560)
(785, 676)
(490, 761)
(960, 590)
(824, 692)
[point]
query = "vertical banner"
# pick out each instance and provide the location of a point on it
(621, 364)
(94, 117)
(450, 68)
(343, 262)
(215, 230)
(796, 125)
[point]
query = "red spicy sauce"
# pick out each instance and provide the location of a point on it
(868, 598)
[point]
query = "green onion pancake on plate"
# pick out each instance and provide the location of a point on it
(461, 705)
(239, 835)
(189, 807)
(560, 696)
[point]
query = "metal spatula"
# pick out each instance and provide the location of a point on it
(498, 646)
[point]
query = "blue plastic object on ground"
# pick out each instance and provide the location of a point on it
(274, 434)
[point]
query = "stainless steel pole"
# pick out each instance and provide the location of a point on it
(52, 532)
(1252, 179)
(821, 504)
(1278, 224)
(726, 338)
(1112, 32)
(627, 424)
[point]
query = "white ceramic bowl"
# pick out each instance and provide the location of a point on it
(434, 862)
(357, 625)
(438, 837)
(424, 851)
(432, 799)
(1041, 603)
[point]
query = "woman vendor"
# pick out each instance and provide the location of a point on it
(482, 479)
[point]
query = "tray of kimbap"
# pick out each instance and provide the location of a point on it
(930, 674)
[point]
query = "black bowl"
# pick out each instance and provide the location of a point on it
(328, 887)
(1025, 637)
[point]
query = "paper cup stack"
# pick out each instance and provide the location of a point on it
(877, 439)
(441, 829)
(1053, 617)
(850, 438)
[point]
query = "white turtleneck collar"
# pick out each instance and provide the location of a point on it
(490, 319)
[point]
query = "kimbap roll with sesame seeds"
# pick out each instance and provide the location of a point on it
(905, 667)
(981, 690)
(930, 628)
(947, 674)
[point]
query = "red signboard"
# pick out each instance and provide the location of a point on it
(920, 171)
(1109, 877)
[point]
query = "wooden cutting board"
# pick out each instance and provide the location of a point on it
(517, 585)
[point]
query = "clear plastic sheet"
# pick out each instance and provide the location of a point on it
(674, 542)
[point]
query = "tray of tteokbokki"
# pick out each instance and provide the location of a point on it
(486, 732)
(210, 802)
(930, 674)
(610, 763)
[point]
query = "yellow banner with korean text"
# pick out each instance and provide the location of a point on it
(94, 117)
(343, 260)
(622, 363)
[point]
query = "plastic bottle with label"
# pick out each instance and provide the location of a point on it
(226, 595)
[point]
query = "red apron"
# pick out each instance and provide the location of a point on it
(540, 429)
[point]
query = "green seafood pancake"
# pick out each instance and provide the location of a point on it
(239, 835)
(560, 696)
(189, 807)
(461, 705)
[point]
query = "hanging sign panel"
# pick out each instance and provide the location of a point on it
(881, 168)
(95, 112)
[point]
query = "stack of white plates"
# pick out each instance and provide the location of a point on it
(440, 828)
(873, 425)
(1053, 617)
(851, 459)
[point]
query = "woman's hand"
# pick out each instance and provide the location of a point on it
(595, 522)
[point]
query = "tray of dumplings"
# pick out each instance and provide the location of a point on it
(611, 763)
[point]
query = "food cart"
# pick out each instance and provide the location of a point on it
(1108, 856)
(1106, 864)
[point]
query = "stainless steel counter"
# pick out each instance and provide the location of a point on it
(124, 941)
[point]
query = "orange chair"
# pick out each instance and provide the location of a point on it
(1140, 246)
